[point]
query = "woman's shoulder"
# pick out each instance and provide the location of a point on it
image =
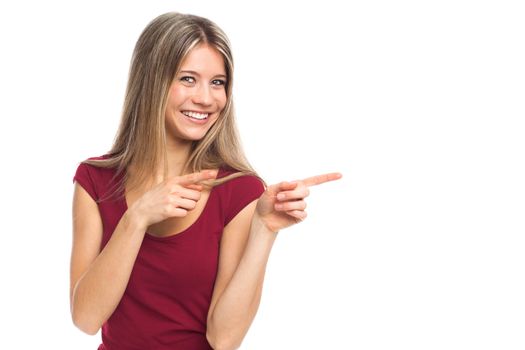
(234, 181)
(98, 158)
(101, 163)
(238, 189)
(95, 178)
(225, 172)
(97, 167)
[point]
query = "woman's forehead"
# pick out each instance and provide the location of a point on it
(204, 60)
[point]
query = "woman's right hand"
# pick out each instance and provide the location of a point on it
(171, 198)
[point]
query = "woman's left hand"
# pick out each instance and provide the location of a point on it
(283, 204)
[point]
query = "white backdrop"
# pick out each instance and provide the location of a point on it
(420, 104)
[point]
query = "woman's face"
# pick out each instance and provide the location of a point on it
(197, 95)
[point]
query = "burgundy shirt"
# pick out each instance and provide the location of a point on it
(166, 301)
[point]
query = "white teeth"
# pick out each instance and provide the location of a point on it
(195, 115)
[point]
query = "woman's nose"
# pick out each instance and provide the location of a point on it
(203, 95)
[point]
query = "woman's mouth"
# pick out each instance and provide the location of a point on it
(196, 115)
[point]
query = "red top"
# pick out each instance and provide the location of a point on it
(166, 301)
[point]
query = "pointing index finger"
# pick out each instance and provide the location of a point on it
(195, 178)
(319, 179)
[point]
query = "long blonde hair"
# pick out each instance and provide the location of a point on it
(141, 138)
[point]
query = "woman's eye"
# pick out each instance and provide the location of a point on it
(191, 80)
(188, 79)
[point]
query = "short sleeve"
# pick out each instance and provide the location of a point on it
(244, 190)
(84, 178)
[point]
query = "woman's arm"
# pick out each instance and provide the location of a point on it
(98, 281)
(245, 248)
(244, 253)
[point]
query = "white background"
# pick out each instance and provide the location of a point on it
(420, 104)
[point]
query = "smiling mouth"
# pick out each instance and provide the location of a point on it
(195, 115)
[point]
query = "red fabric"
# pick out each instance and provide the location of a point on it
(166, 301)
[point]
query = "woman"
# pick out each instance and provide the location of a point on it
(172, 229)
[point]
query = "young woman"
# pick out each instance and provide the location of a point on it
(172, 228)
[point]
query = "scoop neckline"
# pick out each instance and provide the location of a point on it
(173, 236)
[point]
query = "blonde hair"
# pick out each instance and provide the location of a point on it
(141, 138)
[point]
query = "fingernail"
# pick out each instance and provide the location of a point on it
(281, 196)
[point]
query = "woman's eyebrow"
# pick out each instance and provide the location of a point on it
(197, 74)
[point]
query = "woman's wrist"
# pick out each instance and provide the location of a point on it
(259, 225)
(134, 221)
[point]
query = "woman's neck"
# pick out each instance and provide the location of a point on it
(178, 155)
